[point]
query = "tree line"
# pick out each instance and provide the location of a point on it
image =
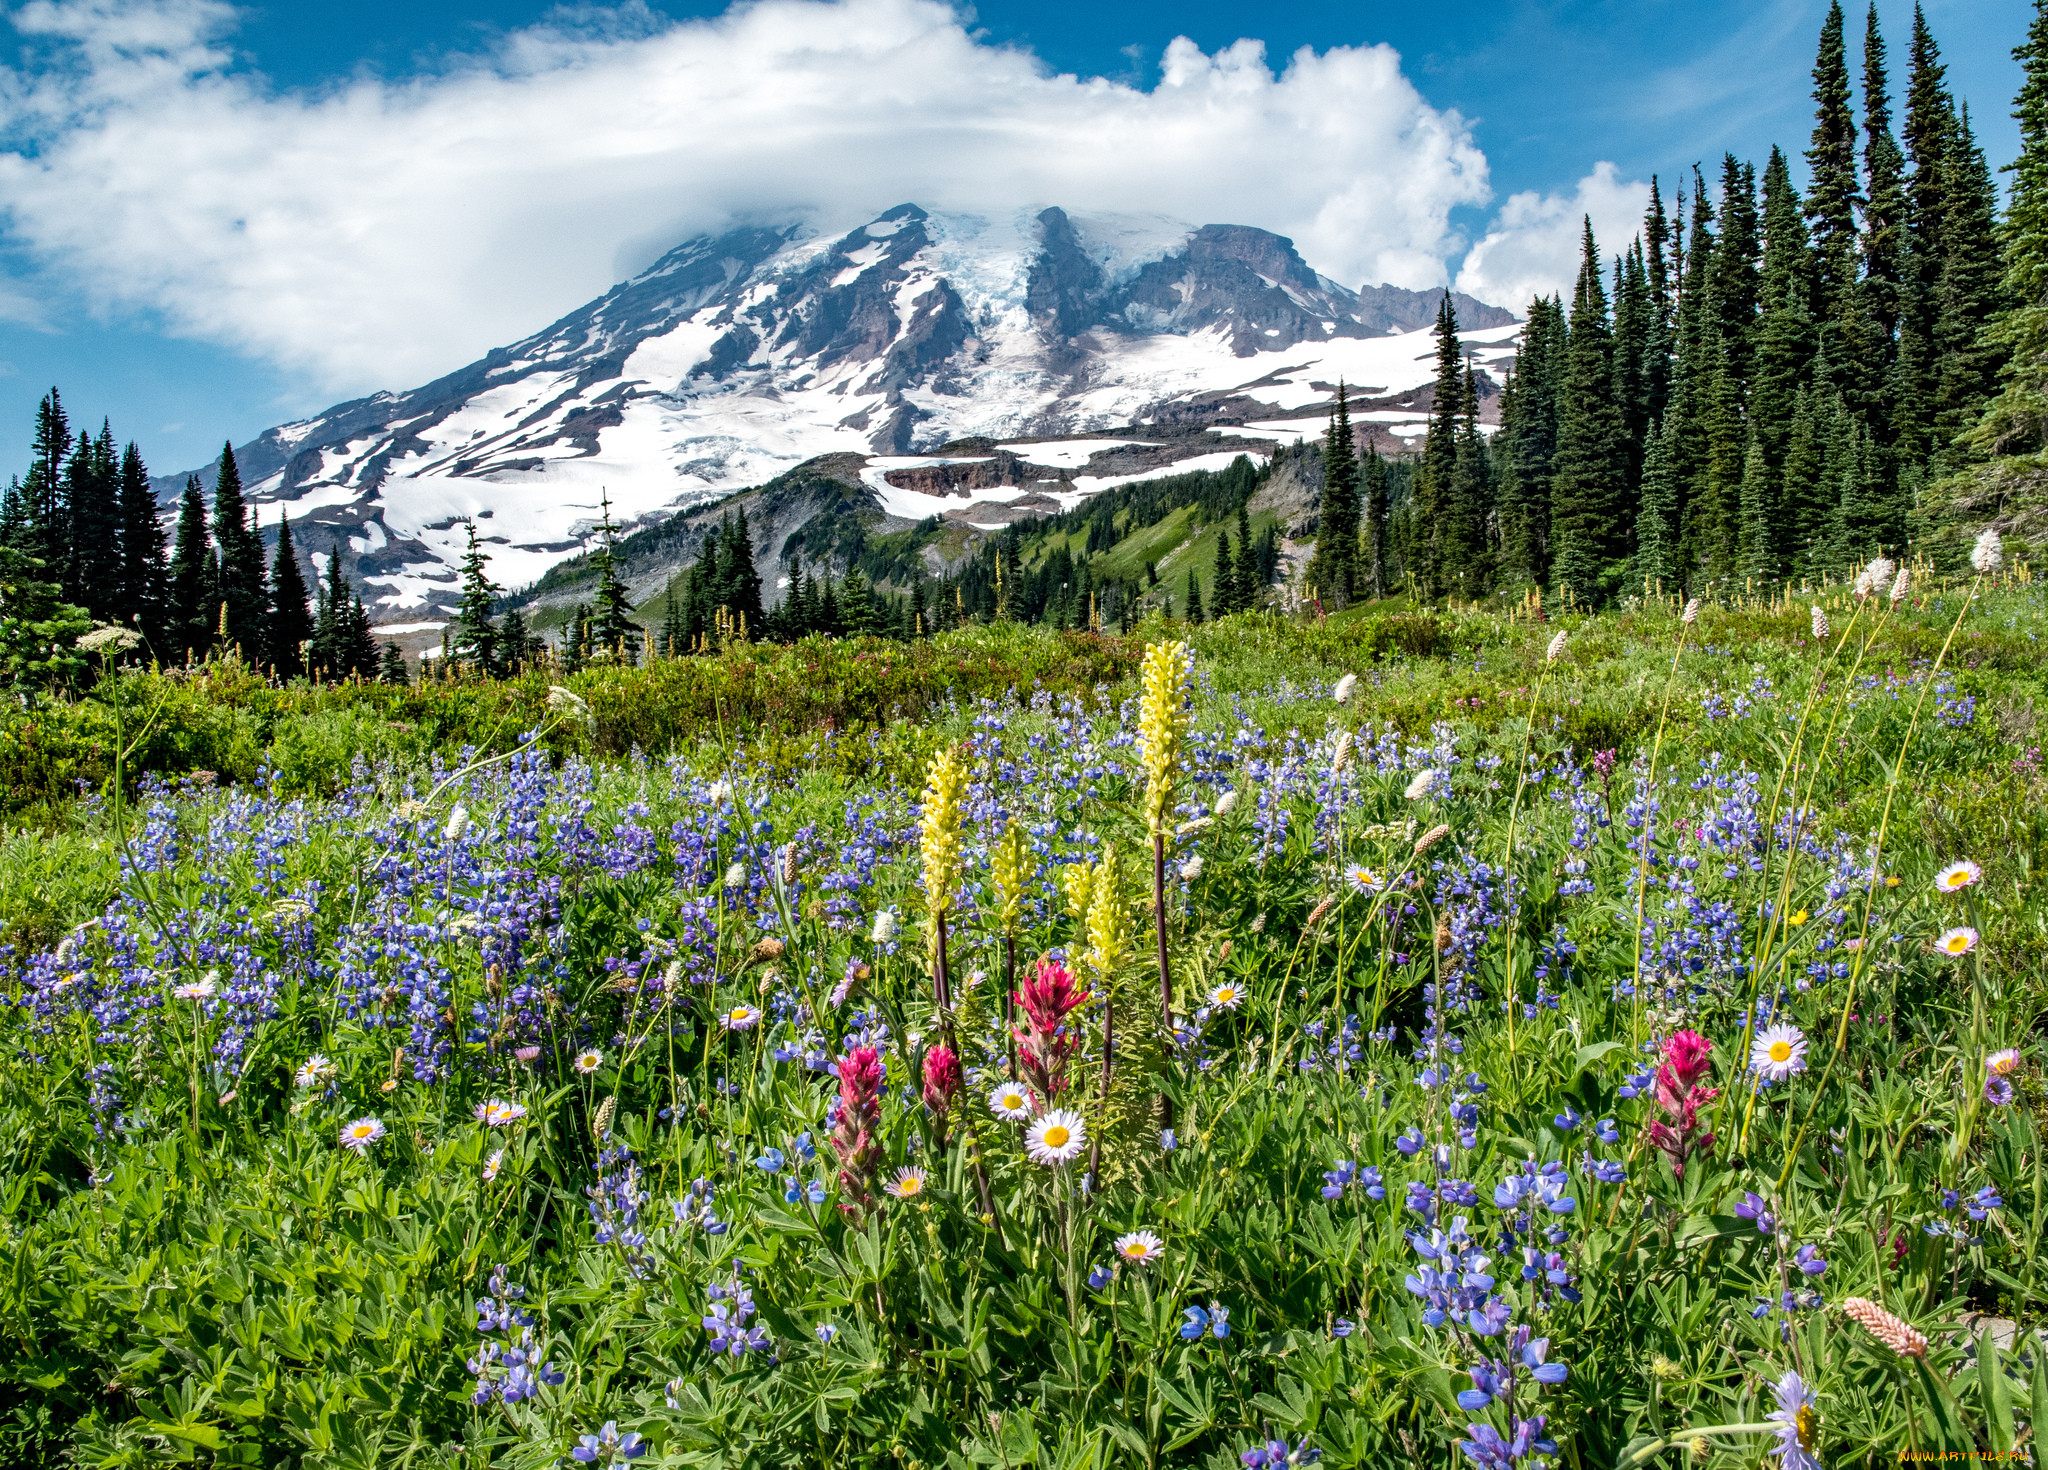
(1762, 388)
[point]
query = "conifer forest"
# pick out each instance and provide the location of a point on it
(1522, 951)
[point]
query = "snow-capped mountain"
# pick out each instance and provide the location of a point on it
(736, 357)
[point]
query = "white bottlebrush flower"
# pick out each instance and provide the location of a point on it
(1988, 555)
(1820, 622)
(1226, 803)
(1342, 693)
(1057, 1138)
(1140, 1247)
(1556, 646)
(1010, 1102)
(1778, 1052)
(359, 1135)
(1691, 614)
(458, 823)
(1901, 585)
(1875, 577)
(1191, 869)
(884, 928)
(735, 876)
(1342, 756)
(1420, 785)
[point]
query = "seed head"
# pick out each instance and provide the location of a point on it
(1901, 585)
(1431, 838)
(1691, 614)
(603, 1124)
(1343, 756)
(1820, 622)
(1556, 647)
(1988, 555)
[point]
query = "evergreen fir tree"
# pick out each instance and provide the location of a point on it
(1223, 581)
(1883, 243)
(391, 667)
(742, 583)
(145, 578)
(1756, 560)
(1832, 198)
(242, 576)
(1587, 483)
(1656, 242)
(1967, 294)
(675, 636)
(325, 659)
(476, 634)
(92, 527)
(14, 517)
(1194, 599)
(1929, 134)
(1436, 536)
(44, 535)
(1373, 485)
(1333, 567)
(515, 642)
(1245, 592)
(357, 646)
(1807, 509)
(1656, 560)
(1468, 564)
(290, 624)
(193, 598)
(857, 605)
(613, 632)
(920, 613)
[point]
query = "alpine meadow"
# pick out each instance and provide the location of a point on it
(1308, 915)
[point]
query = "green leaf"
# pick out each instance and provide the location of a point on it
(1992, 1394)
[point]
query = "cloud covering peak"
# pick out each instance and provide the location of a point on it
(384, 230)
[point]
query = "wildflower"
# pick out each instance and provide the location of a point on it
(1226, 803)
(1362, 879)
(1431, 838)
(1167, 1142)
(495, 1114)
(884, 929)
(1140, 1247)
(1342, 693)
(492, 1165)
(1778, 1052)
(1605, 1131)
(1488, 1449)
(1902, 586)
(1419, 786)
(1983, 1202)
(608, 1446)
(315, 1070)
(1341, 757)
(1679, 1096)
(1894, 1333)
(359, 1135)
(1820, 622)
(1343, 1327)
(528, 1055)
(941, 1080)
(1010, 1103)
(1567, 1120)
(202, 989)
(2002, 1063)
(1099, 1277)
(1057, 1138)
(1191, 869)
(853, 1135)
(741, 1017)
(1162, 727)
(1957, 941)
(568, 702)
(109, 639)
(1808, 1259)
(1874, 576)
(1957, 876)
(908, 1183)
(735, 876)
(458, 823)
(1557, 644)
(1215, 1321)
(1988, 555)
(1275, 1455)
(1798, 918)
(588, 1061)
(1998, 1091)
(1797, 1422)
(1755, 1207)
(1691, 614)
(770, 1160)
(1046, 1043)
(826, 1332)
(1226, 997)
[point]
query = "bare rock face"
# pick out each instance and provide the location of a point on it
(736, 358)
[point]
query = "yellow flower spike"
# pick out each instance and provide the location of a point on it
(1162, 728)
(1007, 865)
(1108, 936)
(1078, 879)
(938, 828)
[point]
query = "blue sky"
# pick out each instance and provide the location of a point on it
(177, 256)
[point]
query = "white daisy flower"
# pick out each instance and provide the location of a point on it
(1010, 1102)
(360, 1134)
(1057, 1138)
(315, 1070)
(1140, 1247)
(1957, 876)
(1362, 879)
(1958, 941)
(2002, 1063)
(1778, 1052)
(1227, 996)
(493, 1164)
(588, 1061)
(908, 1184)
(202, 989)
(741, 1017)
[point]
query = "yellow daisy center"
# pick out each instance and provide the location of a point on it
(1056, 1137)
(1781, 1051)
(1135, 1248)
(739, 1013)
(1958, 944)
(911, 1185)
(1806, 1421)
(1012, 1100)
(1956, 880)
(1226, 995)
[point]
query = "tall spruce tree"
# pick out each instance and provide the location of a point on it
(1832, 199)
(145, 594)
(476, 629)
(193, 599)
(1434, 532)
(1656, 561)
(1374, 510)
(42, 493)
(242, 577)
(613, 633)
(1884, 212)
(1588, 480)
(92, 526)
(1333, 568)
(290, 621)
(1967, 293)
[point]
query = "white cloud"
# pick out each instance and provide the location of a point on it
(1534, 244)
(384, 231)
